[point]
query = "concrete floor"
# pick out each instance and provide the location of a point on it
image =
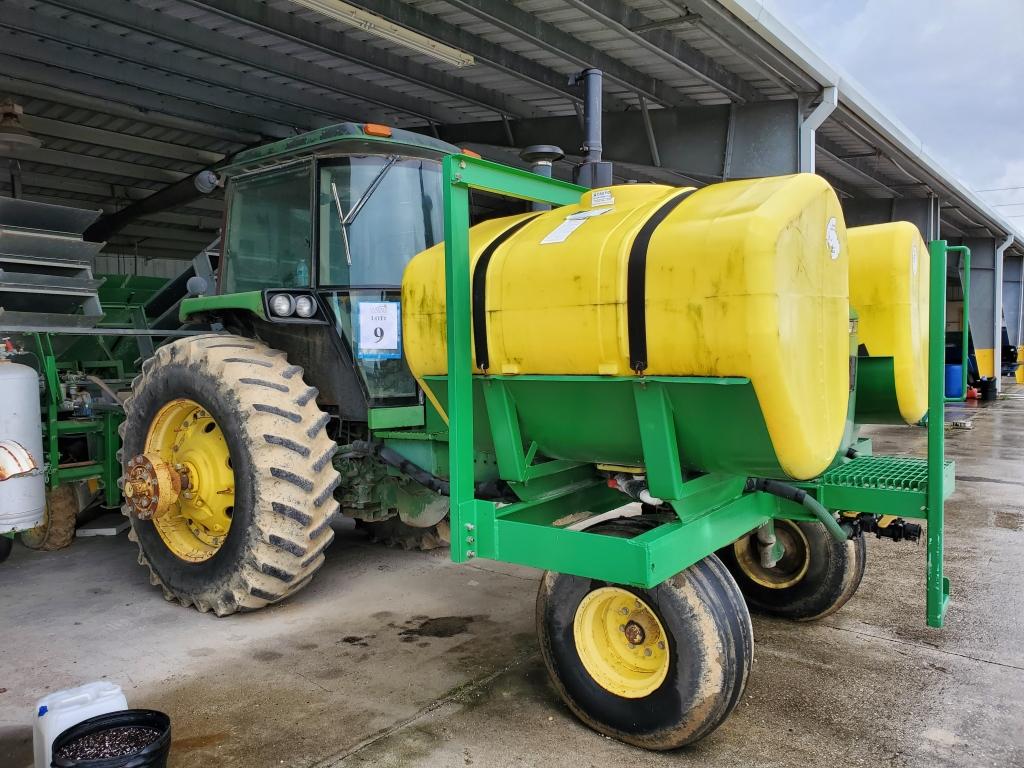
(403, 659)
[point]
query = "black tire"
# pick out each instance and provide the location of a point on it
(6, 544)
(710, 651)
(394, 533)
(283, 475)
(811, 586)
(57, 530)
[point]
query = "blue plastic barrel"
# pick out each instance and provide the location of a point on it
(954, 381)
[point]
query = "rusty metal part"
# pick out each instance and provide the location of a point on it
(152, 486)
(15, 460)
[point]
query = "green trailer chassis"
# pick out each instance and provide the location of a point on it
(712, 509)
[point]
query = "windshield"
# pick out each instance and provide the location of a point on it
(376, 213)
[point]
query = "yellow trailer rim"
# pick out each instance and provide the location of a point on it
(185, 436)
(621, 642)
(790, 568)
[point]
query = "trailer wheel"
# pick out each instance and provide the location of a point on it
(657, 668)
(227, 474)
(58, 527)
(816, 576)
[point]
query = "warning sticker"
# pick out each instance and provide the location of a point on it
(571, 223)
(602, 197)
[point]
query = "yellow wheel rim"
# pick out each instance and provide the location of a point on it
(621, 642)
(792, 566)
(187, 437)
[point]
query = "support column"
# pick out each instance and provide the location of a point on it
(982, 309)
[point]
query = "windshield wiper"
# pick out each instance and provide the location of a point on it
(341, 221)
(370, 190)
(346, 219)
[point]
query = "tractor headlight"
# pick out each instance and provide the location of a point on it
(305, 306)
(282, 304)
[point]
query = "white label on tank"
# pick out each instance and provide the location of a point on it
(602, 197)
(913, 259)
(379, 332)
(570, 224)
(832, 238)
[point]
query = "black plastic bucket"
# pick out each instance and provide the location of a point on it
(153, 755)
(987, 388)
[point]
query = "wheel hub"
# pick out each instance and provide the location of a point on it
(788, 569)
(152, 486)
(183, 481)
(621, 642)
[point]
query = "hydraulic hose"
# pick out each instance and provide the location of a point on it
(804, 499)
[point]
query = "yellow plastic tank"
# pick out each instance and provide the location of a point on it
(889, 270)
(738, 279)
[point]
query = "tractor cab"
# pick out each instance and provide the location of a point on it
(322, 227)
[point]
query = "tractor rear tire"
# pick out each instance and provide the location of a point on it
(279, 458)
(395, 533)
(689, 666)
(57, 530)
(812, 582)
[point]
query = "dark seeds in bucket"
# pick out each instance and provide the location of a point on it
(114, 742)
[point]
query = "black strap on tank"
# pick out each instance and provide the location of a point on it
(479, 293)
(636, 283)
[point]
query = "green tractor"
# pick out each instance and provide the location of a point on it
(238, 431)
(240, 445)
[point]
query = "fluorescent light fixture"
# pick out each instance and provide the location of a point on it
(375, 25)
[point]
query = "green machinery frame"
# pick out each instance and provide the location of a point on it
(712, 510)
(102, 428)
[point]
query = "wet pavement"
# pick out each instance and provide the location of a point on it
(402, 659)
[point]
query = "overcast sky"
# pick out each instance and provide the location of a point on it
(952, 71)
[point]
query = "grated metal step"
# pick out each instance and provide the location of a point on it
(882, 484)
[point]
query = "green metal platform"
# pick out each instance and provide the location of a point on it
(882, 485)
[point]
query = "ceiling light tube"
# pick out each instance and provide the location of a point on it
(381, 27)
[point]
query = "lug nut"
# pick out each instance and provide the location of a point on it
(661, 645)
(647, 651)
(624, 611)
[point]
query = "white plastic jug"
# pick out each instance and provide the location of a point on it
(58, 711)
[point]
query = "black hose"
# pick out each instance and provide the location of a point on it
(804, 499)
(493, 490)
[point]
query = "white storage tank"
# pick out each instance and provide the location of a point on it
(22, 499)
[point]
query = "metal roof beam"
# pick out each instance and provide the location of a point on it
(756, 49)
(143, 231)
(62, 86)
(102, 165)
(148, 117)
(124, 141)
(624, 20)
(276, 120)
(118, 194)
(549, 37)
(484, 50)
(859, 167)
(166, 27)
(288, 25)
(209, 224)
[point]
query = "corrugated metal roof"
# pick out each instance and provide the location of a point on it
(129, 96)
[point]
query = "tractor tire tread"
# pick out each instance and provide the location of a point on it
(290, 513)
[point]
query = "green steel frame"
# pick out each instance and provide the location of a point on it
(712, 510)
(102, 429)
